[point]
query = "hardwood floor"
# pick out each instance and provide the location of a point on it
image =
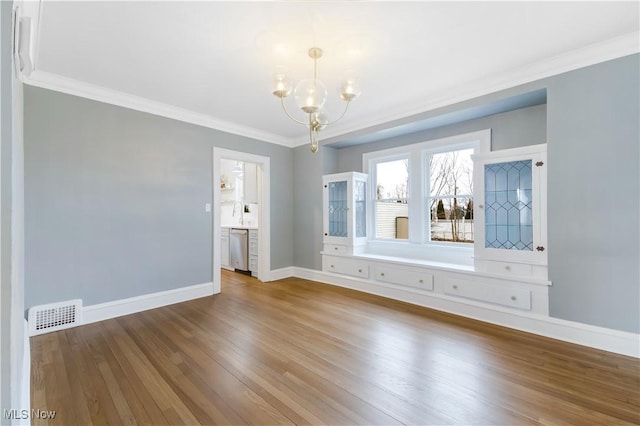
(300, 352)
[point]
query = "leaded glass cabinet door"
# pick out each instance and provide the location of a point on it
(511, 206)
(344, 217)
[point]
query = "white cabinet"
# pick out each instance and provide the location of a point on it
(225, 259)
(250, 183)
(511, 203)
(253, 252)
(346, 266)
(411, 277)
(344, 206)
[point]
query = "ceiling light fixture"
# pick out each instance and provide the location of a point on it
(310, 96)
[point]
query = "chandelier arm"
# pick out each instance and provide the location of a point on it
(290, 116)
(339, 118)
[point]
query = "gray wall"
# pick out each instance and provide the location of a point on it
(307, 193)
(591, 125)
(522, 127)
(115, 200)
(594, 187)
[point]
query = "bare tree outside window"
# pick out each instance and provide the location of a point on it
(451, 189)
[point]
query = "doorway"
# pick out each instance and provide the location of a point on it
(260, 222)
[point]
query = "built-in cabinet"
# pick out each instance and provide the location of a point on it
(509, 269)
(345, 216)
(510, 209)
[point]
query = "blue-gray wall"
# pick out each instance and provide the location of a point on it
(591, 124)
(594, 187)
(115, 197)
(115, 200)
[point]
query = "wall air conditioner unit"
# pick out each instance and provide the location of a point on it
(22, 43)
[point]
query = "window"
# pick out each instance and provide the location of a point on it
(392, 196)
(450, 197)
(423, 193)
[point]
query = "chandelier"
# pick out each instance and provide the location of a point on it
(310, 96)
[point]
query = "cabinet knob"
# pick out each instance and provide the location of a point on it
(420, 281)
(359, 270)
(455, 287)
(481, 206)
(335, 248)
(326, 234)
(513, 298)
(540, 248)
(382, 274)
(331, 266)
(507, 268)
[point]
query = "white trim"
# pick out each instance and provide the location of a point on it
(593, 54)
(606, 339)
(131, 305)
(264, 215)
(590, 55)
(47, 80)
(282, 273)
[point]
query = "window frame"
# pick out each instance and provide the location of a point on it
(418, 188)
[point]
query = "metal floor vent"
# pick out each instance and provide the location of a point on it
(54, 316)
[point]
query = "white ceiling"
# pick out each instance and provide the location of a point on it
(212, 62)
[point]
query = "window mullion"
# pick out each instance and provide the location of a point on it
(417, 221)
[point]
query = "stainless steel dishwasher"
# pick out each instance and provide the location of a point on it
(238, 247)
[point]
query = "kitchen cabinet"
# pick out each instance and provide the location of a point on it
(250, 183)
(225, 259)
(344, 206)
(253, 252)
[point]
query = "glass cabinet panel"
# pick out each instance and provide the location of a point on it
(508, 205)
(344, 201)
(361, 208)
(337, 209)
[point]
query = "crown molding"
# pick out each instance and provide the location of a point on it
(74, 87)
(606, 50)
(593, 54)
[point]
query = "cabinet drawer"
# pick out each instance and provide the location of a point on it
(335, 248)
(253, 233)
(484, 292)
(505, 268)
(253, 247)
(253, 263)
(347, 266)
(402, 276)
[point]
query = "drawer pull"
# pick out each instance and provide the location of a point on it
(513, 298)
(359, 270)
(382, 274)
(335, 248)
(455, 287)
(421, 281)
(331, 266)
(507, 268)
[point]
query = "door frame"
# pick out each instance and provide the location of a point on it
(264, 215)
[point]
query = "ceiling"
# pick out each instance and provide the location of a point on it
(212, 63)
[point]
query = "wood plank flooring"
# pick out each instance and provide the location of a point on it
(300, 352)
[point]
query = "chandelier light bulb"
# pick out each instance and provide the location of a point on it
(350, 87)
(281, 85)
(310, 95)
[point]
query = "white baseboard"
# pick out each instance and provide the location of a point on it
(116, 308)
(279, 274)
(606, 339)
